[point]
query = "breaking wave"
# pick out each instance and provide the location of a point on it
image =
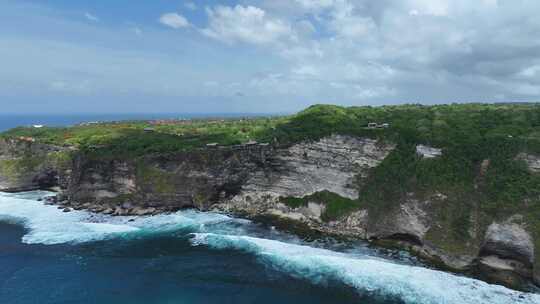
(378, 277)
(368, 274)
(49, 225)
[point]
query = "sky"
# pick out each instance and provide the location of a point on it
(263, 56)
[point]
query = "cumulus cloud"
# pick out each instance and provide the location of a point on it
(76, 87)
(137, 31)
(174, 20)
(531, 72)
(430, 7)
(425, 50)
(316, 4)
(347, 22)
(191, 6)
(296, 52)
(91, 17)
(246, 24)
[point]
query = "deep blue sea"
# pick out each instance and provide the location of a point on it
(8, 121)
(48, 256)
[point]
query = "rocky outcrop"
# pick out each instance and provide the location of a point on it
(253, 180)
(26, 165)
(507, 253)
(509, 240)
(337, 164)
(410, 221)
(197, 178)
(532, 161)
(428, 152)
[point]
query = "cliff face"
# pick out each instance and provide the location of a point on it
(501, 252)
(155, 183)
(257, 180)
(337, 164)
(25, 165)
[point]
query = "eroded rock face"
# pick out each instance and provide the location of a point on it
(509, 240)
(198, 178)
(336, 164)
(255, 177)
(97, 180)
(507, 254)
(251, 180)
(26, 165)
(410, 222)
(532, 161)
(428, 152)
(355, 223)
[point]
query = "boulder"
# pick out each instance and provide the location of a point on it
(507, 254)
(509, 241)
(428, 152)
(532, 161)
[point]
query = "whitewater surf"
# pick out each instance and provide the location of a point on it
(361, 270)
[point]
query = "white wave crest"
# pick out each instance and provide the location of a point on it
(49, 225)
(411, 284)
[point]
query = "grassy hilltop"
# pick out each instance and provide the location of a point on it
(468, 134)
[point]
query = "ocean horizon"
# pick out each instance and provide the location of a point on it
(8, 121)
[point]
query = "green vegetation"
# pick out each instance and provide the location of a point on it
(13, 168)
(129, 139)
(468, 134)
(161, 182)
(336, 205)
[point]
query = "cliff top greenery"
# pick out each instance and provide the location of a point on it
(478, 165)
(135, 138)
(478, 169)
(438, 125)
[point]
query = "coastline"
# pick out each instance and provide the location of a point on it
(374, 185)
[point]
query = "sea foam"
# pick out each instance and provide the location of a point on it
(379, 277)
(49, 225)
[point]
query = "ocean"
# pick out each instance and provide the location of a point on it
(48, 256)
(8, 121)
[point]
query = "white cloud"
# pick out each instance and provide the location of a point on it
(492, 3)
(367, 92)
(191, 6)
(316, 4)
(347, 22)
(58, 85)
(306, 71)
(527, 89)
(77, 87)
(91, 17)
(247, 24)
(431, 7)
(530, 72)
(137, 31)
(174, 20)
(211, 83)
(344, 51)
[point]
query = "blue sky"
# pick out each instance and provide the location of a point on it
(62, 56)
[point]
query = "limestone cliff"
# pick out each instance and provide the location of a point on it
(154, 183)
(26, 165)
(337, 164)
(256, 180)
